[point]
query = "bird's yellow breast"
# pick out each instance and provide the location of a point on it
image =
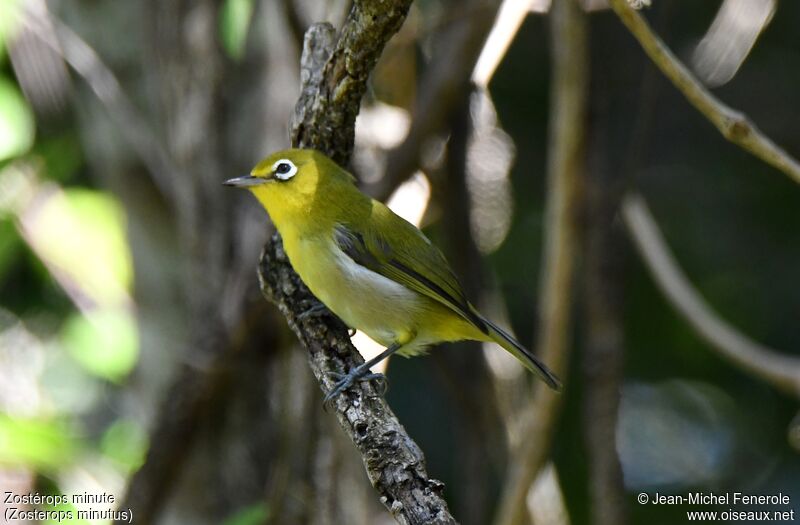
(385, 310)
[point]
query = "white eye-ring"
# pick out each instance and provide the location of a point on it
(284, 169)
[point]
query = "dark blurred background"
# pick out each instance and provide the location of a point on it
(133, 337)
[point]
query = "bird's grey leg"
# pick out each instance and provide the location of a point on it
(361, 373)
(317, 309)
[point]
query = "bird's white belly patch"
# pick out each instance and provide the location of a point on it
(368, 301)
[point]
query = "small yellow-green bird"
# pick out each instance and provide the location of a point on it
(373, 269)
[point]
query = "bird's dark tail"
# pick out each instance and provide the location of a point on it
(530, 361)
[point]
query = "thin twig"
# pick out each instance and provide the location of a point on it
(734, 125)
(566, 154)
(510, 16)
(334, 74)
(779, 370)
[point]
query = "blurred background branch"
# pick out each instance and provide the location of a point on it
(104, 84)
(443, 88)
(776, 368)
(734, 125)
(561, 251)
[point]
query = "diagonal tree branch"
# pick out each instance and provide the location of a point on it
(734, 125)
(779, 370)
(334, 74)
(325, 115)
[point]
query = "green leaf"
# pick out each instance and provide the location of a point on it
(255, 514)
(80, 233)
(16, 121)
(104, 342)
(9, 22)
(126, 443)
(41, 444)
(234, 22)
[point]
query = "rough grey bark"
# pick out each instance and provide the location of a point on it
(334, 79)
(325, 115)
(395, 464)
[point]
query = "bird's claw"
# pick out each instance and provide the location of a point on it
(316, 310)
(345, 381)
(380, 379)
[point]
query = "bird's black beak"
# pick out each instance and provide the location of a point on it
(245, 181)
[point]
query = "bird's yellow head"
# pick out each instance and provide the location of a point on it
(293, 184)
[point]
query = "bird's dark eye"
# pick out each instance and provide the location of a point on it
(284, 169)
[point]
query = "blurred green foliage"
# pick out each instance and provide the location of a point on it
(16, 121)
(44, 444)
(255, 514)
(62, 246)
(61, 156)
(125, 442)
(8, 23)
(10, 244)
(234, 21)
(104, 342)
(89, 222)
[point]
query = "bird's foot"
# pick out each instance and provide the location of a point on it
(345, 381)
(317, 309)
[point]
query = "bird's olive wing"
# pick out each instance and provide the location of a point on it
(407, 258)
